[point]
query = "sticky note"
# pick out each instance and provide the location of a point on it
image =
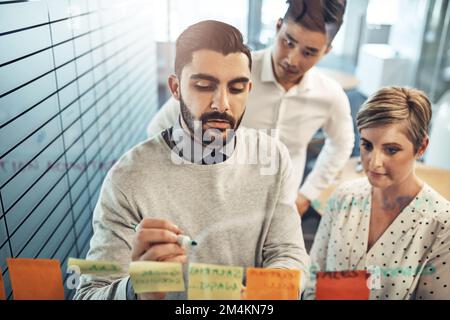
(95, 267)
(342, 285)
(36, 279)
(272, 284)
(214, 282)
(150, 276)
(2, 287)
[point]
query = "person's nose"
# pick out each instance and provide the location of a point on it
(221, 101)
(376, 159)
(293, 58)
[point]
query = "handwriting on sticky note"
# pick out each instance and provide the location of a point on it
(2, 287)
(95, 267)
(214, 282)
(342, 285)
(36, 279)
(149, 276)
(272, 284)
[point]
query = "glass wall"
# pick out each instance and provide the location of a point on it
(173, 16)
(434, 61)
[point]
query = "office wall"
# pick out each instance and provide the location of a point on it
(77, 88)
(346, 43)
(407, 34)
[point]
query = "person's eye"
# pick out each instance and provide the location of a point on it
(391, 151)
(236, 90)
(366, 146)
(204, 86)
(308, 54)
(288, 43)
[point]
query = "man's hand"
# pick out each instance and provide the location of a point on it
(302, 204)
(156, 240)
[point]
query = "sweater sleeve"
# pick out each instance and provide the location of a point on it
(284, 247)
(114, 219)
(319, 249)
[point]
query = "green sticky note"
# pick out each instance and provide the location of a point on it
(96, 267)
(150, 276)
(214, 282)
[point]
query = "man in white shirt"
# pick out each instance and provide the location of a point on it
(293, 97)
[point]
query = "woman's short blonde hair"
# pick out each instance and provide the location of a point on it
(398, 105)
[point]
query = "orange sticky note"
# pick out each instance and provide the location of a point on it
(342, 285)
(2, 287)
(36, 279)
(272, 284)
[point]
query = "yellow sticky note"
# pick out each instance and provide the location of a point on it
(272, 284)
(150, 276)
(95, 267)
(214, 282)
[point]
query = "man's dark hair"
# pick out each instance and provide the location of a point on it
(211, 35)
(325, 16)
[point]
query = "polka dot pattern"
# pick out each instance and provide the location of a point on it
(415, 245)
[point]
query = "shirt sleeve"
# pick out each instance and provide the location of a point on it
(113, 222)
(339, 142)
(284, 247)
(434, 283)
(165, 118)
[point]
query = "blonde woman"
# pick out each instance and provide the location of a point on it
(390, 223)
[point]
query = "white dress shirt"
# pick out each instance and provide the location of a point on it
(411, 259)
(297, 114)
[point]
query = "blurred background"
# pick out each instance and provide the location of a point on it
(81, 79)
(413, 35)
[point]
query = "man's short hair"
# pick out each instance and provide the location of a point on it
(212, 35)
(325, 16)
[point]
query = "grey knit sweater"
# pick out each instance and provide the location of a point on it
(240, 213)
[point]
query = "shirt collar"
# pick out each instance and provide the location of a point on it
(194, 151)
(268, 75)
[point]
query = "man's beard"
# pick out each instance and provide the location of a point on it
(189, 119)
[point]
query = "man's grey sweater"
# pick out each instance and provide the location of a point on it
(240, 212)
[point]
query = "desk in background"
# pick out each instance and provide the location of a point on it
(346, 80)
(438, 179)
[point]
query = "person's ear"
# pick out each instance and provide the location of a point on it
(279, 24)
(250, 86)
(329, 47)
(423, 147)
(174, 86)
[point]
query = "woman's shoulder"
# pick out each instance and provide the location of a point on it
(349, 194)
(353, 188)
(432, 205)
(436, 208)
